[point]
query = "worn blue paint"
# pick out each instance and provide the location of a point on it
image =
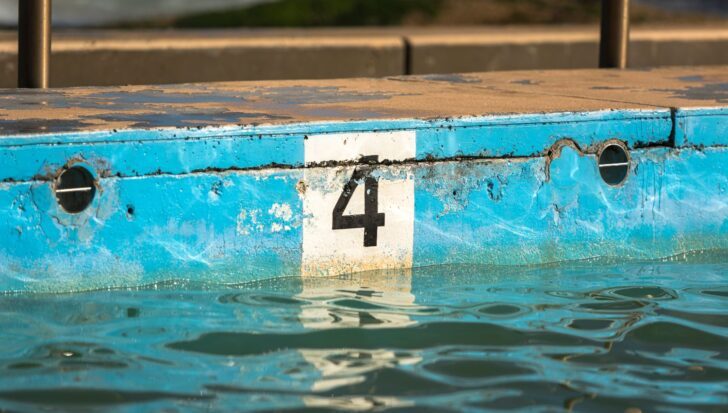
(222, 226)
(531, 135)
(145, 152)
(211, 227)
(701, 127)
(506, 212)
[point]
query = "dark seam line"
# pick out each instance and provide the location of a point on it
(324, 165)
(673, 132)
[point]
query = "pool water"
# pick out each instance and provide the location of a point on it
(590, 337)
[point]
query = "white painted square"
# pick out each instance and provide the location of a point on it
(329, 252)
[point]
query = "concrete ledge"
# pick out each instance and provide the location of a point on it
(102, 58)
(114, 58)
(560, 48)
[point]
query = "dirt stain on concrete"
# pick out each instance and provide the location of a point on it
(452, 78)
(717, 92)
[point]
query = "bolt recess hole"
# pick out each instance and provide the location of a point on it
(614, 164)
(75, 189)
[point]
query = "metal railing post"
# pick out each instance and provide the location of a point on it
(34, 43)
(614, 42)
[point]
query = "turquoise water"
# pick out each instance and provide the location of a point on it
(580, 337)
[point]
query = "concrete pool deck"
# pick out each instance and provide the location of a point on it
(230, 182)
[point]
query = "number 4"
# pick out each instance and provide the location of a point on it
(372, 219)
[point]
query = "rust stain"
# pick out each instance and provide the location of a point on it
(555, 152)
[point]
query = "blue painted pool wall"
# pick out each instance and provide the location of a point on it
(138, 231)
(195, 204)
(701, 127)
(508, 212)
(138, 153)
(532, 135)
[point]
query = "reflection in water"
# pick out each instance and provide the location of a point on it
(575, 337)
(367, 301)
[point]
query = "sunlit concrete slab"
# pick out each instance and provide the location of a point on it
(364, 99)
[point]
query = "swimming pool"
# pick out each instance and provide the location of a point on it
(584, 337)
(528, 241)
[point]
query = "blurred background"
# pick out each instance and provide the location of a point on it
(309, 13)
(110, 42)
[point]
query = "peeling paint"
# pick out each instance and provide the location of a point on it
(282, 211)
(451, 78)
(475, 211)
(454, 184)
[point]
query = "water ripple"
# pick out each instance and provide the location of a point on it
(583, 337)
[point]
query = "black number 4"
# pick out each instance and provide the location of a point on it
(371, 220)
